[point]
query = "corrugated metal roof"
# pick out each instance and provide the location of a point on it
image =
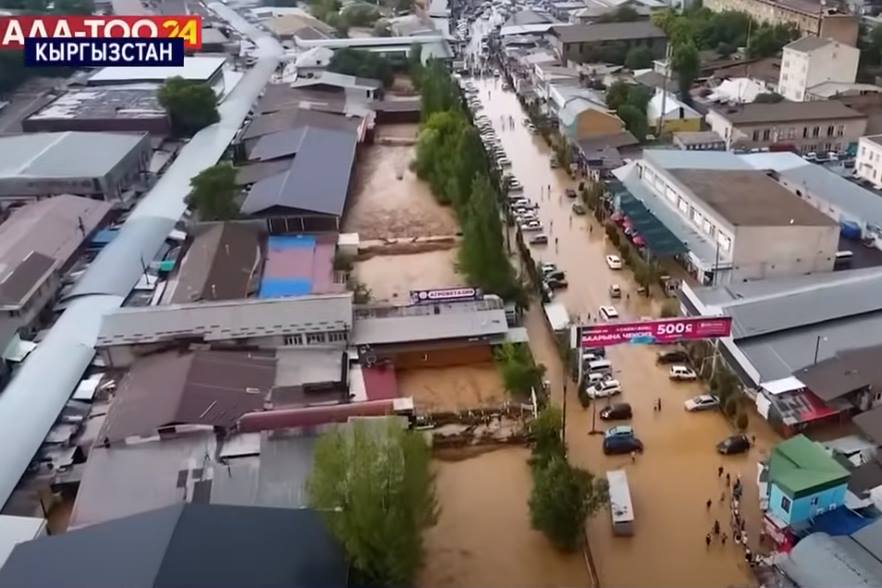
(759, 112)
(280, 144)
(608, 31)
(450, 323)
(857, 203)
(822, 561)
(18, 282)
(217, 321)
(59, 361)
(59, 155)
(212, 388)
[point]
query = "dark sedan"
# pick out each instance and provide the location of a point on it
(616, 412)
(619, 445)
(734, 444)
(672, 356)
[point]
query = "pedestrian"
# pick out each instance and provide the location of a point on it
(716, 527)
(659, 404)
(590, 228)
(633, 457)
(709, 503)
(723, 538)
(737, 538)
(728, 479)
(551, 225)
(571, 220)
(707, 540)
(719, 471)
(748, 557)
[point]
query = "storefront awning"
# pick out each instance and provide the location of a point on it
(660, 241)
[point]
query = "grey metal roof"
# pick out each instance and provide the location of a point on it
(609, 31)
(59, 155)
(422, 323)
(59, 361)
(234, 319)
(858, 204)
(187, 546)
(808, 43)
(280, 144)
(850, 370)
(822, 561)
(317, 181)
(338, 79)
(679, 159)
(759, 112)
(870, 538)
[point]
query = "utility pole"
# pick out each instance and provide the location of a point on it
(668, 65)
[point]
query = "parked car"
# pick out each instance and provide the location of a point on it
(540, 239)
(616, 412)
(579, 208)
(546, 268)
(620, 445)
(604, 389)
(531, 226)
(570, 193)
(555, 274)
(608, 313)
(673, 356)
(681, 372)
(702, 402)
(615, 291)
(554, 163)
(557, 284)
(619, 431)
(734, 444)
(614, 262)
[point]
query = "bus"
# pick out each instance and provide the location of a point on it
(620, 507)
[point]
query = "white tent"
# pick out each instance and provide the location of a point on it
(738, 91)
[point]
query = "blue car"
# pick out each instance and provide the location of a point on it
(620, 445)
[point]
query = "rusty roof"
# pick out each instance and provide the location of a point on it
(17, 285)
(212, 388)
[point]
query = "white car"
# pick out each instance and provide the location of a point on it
(608, 313)
(547, 268)
(703, 402)
(604, 389)
(682, 372)
(531, 225)
(614, 262)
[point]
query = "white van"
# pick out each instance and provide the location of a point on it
(601, 366)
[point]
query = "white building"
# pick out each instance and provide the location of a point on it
(869, 159)
(811, 61)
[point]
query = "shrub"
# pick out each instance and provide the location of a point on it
(741, 421)
(730, 406)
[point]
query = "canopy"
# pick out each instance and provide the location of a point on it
(657, 237)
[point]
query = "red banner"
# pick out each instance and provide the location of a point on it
(15, 29)
(659, 332)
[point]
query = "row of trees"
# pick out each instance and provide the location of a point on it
(450, 157)
(364, 64)
(192, 105)
(563, 496)
(698, 29)
(375, 489)
(630, 102)
(519, 372)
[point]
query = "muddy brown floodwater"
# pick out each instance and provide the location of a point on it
(677, 474)
(453, 388)
(483, 536)
(392, 277)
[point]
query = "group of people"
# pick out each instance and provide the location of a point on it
(732, 490)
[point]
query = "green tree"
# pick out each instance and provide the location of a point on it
(520, 374)
(741, 421)
(685, 62)
(730, 406)
(769, 98)
(638, 97)
(621, 14)
(360, 14)
(213, 193)
(191, 105)
(635, 120)
(364, 64)
(375, 489)
(871, 46)
(437, 90)
(562, 498)
(545, 431)
(617, 94)
(77, 7)
(383, 29)
(638, 58)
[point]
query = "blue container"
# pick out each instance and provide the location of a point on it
(850, 230)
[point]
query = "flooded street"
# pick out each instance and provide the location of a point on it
(453, 388)
(483, 536)
(392, 277)
(677, 474)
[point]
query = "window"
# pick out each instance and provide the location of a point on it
(863, 150)
(816, 132)
(683, 206)
(724, 242)
(785, 504)
(840, 130)
(337, 336)
(830, 130)
(756, 135)
(814, 501)
(294, 339)
(766, 134)
(315, 338)
(805, 132)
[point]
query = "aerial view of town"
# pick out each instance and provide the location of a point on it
(442, 294)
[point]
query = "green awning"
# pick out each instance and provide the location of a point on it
(660, 241)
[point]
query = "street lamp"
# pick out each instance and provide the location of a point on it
(818, 347)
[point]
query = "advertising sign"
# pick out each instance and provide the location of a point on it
(659, 332)
(444, 295)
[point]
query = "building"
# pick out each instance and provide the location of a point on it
(868, 164)
(268, 323)
(111, 109)
(312, 193)
(804, 481)
(821, 560)
(737, 223)
(38, 242)
(581, 118)
(15, 530)
(326, 81)
(811, 17)
(312, 62)
(187, 545)
(597, 42)
(665, 111)
(431, 46)
(807, 127)
(699, 141)
(207, 69)
(812, 61)
(47, 164)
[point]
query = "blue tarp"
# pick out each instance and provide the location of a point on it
(291, 242)
(841, 521)
(281, 287)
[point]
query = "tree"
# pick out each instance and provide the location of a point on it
(213, 193)
(360, 14)
(768, 98)
(741, 421)
(685, 62)
(617, 94)
(191, 105)
(621, 14)
(639, 97)
(725, 49)
(76, 7)
(545, 430)
(519, 372)
(383, 29)
(730, 406)
(376, 492)
(562, 498)
(635, 121)
(638, 58)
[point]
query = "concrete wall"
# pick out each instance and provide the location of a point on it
(800, 70)
(766, 252)
(802, 509)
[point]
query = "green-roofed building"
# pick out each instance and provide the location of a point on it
(804, 481)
